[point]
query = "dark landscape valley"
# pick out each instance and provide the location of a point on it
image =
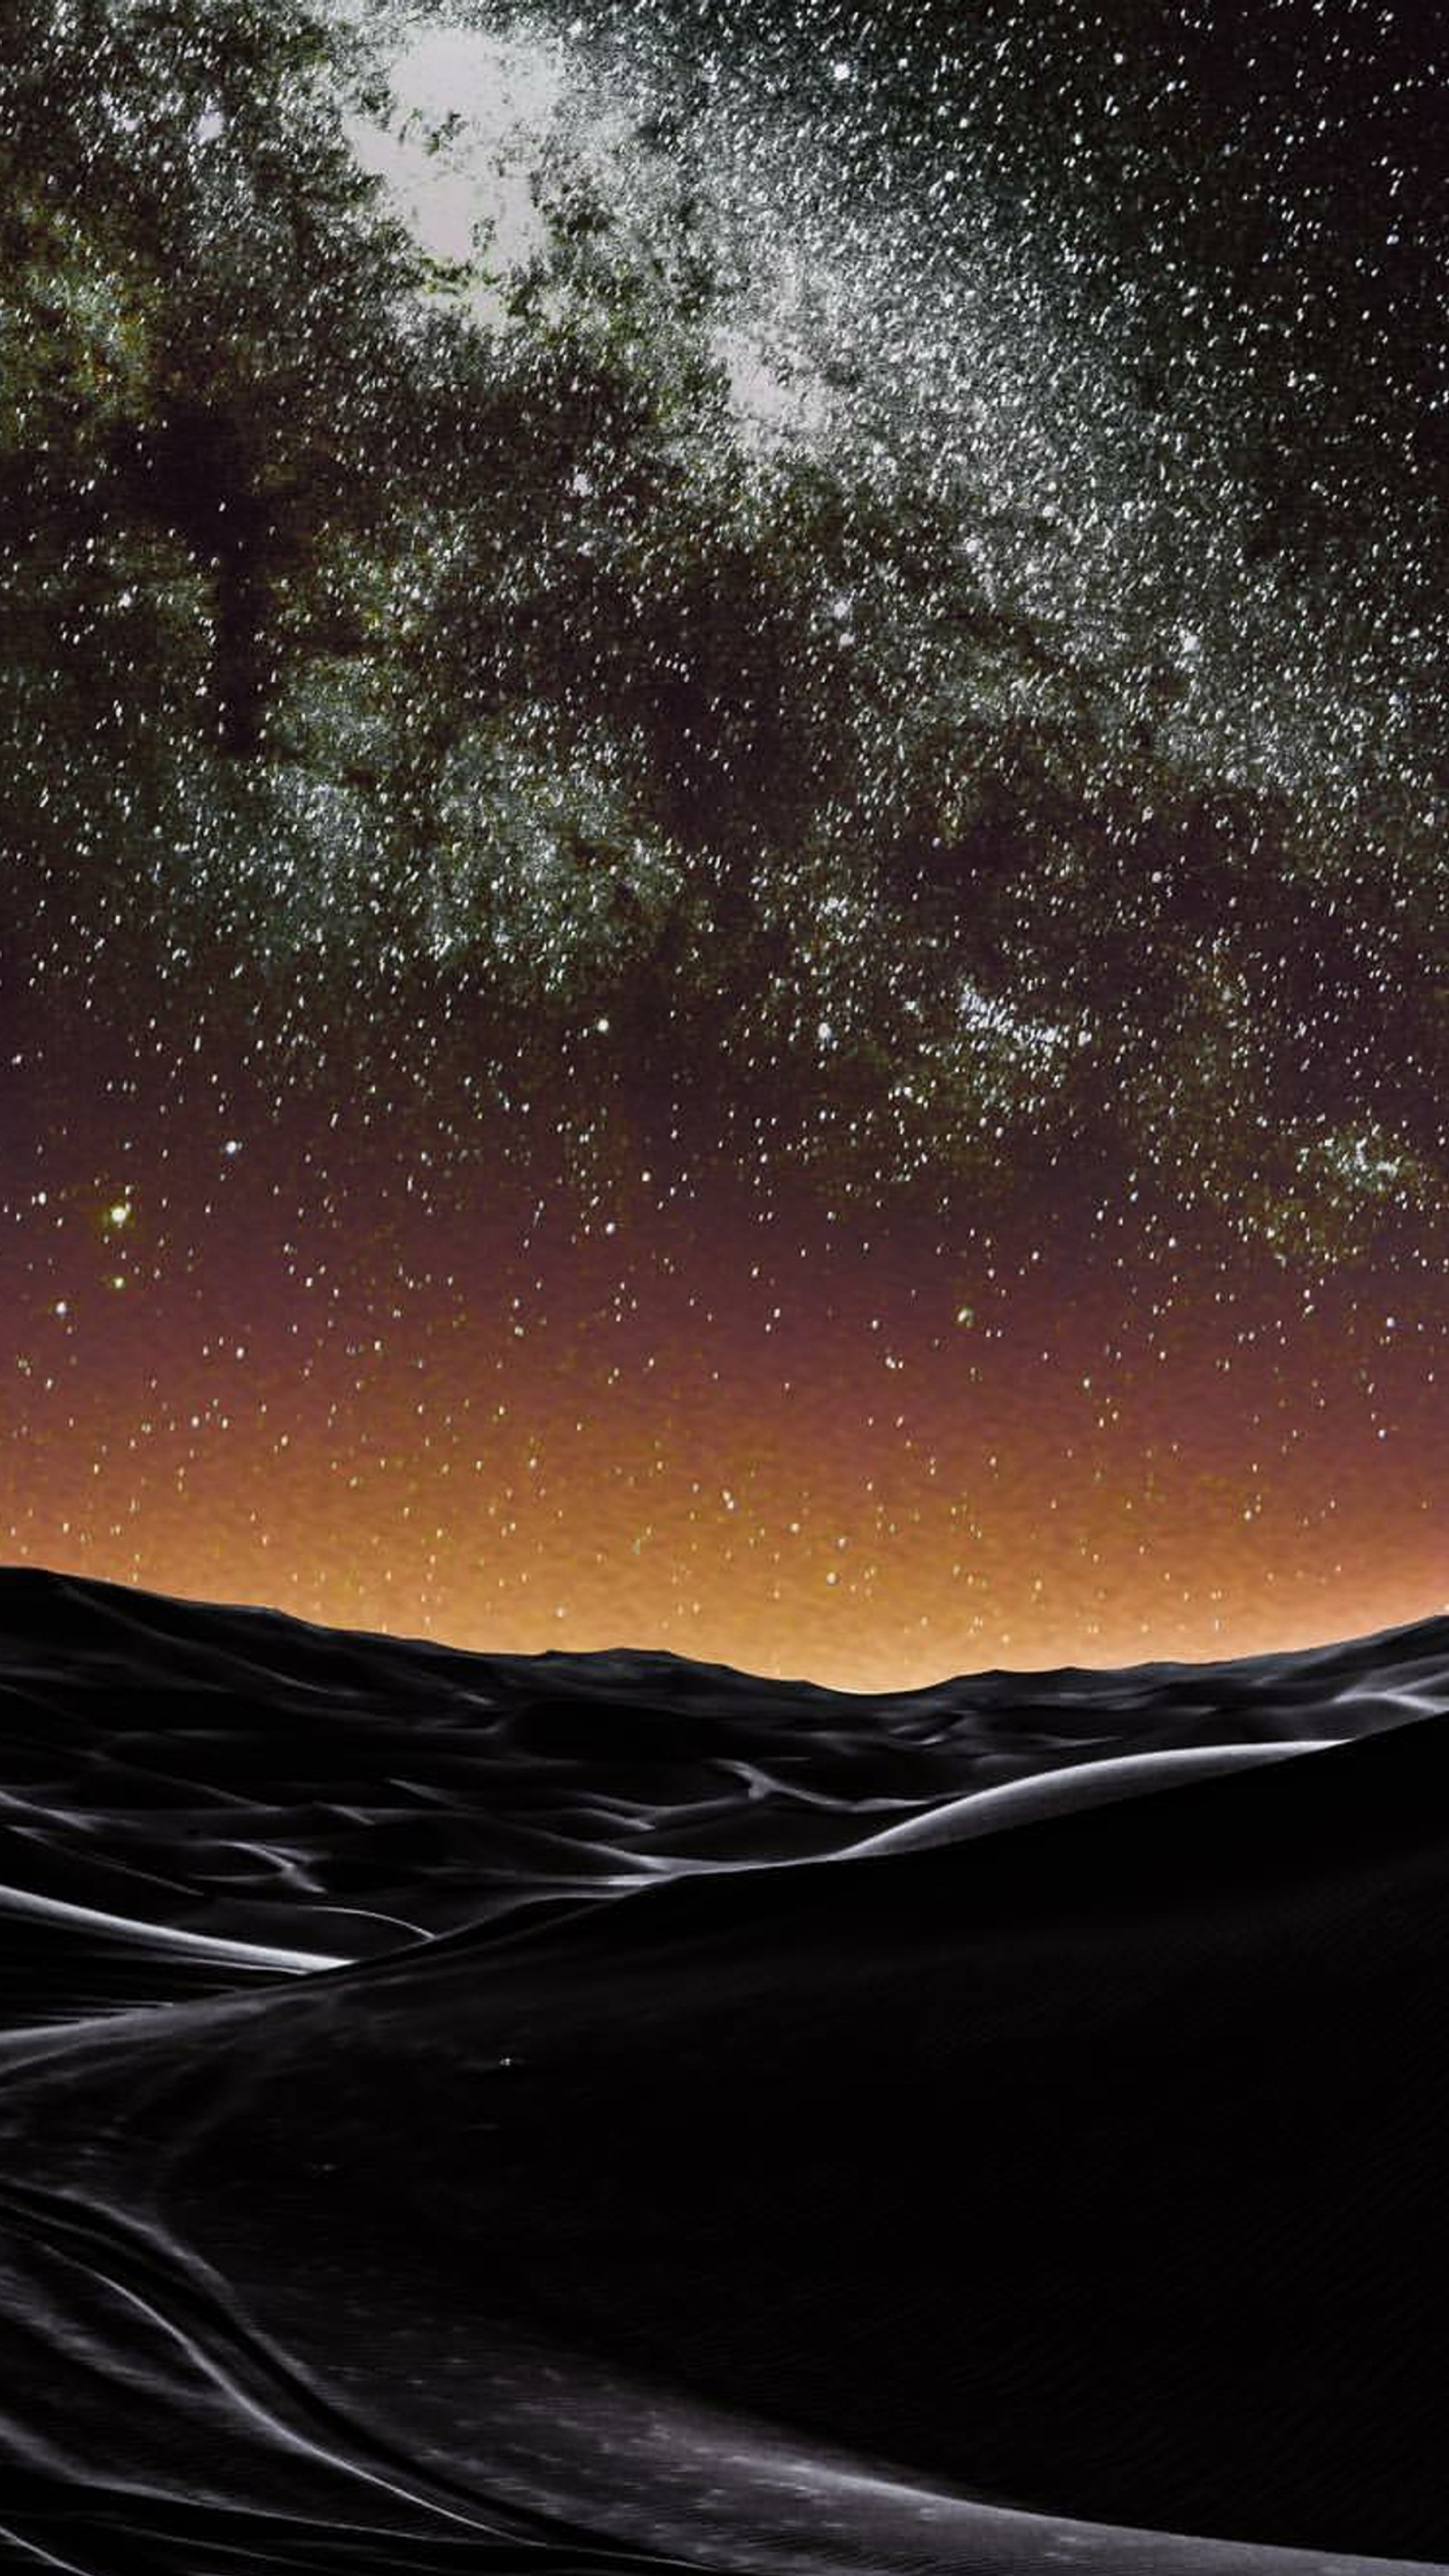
(468, 2112)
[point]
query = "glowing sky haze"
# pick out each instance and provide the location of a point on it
(724, 911)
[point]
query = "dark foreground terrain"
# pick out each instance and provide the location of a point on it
(470, 2113)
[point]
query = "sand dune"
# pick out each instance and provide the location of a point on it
(468, 2112)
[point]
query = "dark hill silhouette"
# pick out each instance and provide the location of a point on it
(475, 2112)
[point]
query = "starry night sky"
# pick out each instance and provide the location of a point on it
(722, 768)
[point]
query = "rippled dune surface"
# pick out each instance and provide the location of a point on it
(479, 2112)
